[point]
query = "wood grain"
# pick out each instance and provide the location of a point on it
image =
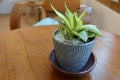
(24, 55)
(73, 5)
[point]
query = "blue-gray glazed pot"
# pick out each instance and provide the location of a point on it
(70, 57)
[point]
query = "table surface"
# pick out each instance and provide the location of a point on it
(24, 55)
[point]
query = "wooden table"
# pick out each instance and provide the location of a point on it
(24, 55)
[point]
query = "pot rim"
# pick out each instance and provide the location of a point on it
(53, 36)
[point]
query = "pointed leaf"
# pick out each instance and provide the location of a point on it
(83, 35)
(82, 15)
(75, 33)
(93, 29)
(78, 21)
(80, 28)
(61, 16)
(91, 35)
(69, 15)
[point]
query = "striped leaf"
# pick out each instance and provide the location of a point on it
(61, 16)
(93, 29)
(84, 36)
(78, 21)
(69, 16)
(82, 15)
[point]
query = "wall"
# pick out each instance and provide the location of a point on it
(6, 5)
(87, 2)
(105, 17)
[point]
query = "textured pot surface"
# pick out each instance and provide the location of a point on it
(71, 57)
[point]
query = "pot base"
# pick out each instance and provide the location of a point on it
(86, 69)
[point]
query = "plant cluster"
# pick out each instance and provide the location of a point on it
(72, 27)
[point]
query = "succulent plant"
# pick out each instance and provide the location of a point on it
(71, 26)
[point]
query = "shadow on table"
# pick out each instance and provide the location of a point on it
(60, 76)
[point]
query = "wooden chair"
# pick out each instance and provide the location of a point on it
(44, 7)
(15, 17)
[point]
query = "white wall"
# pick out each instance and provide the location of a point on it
(87, 2)
(105, 17)
(6, 5)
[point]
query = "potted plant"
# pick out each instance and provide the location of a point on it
(73, 41)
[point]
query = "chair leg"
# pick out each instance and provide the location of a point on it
(43, 13)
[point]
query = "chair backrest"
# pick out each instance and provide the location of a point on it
(15, 16)
(73, 5)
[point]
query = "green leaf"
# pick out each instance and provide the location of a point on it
(62, 27)
(82, 15)
(78, 21)
(61, 16)
(83, 35)
(75, 33)
(93, 29)
(91, 35)
(61, 24)
(79, 28)
(69, 15)
(71, 26)
(66, 15)
(74, 23)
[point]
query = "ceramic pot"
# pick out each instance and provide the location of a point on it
(70, 57)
